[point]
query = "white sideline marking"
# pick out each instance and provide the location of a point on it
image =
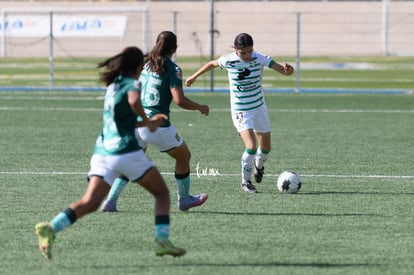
(52, 98)
(338, 111)
(359, 176)
(223, 175)
(65, 109)
(51, 109)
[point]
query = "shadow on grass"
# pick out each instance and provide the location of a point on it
(289, 214)
(275, 264)
(244, 264)
(354, 193)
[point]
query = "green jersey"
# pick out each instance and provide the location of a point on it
(156, 94)
(119, 120)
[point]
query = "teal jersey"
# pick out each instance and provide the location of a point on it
(156, 94)
(119, 120)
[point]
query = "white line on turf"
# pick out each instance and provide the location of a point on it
(222, 175)
(65, 109)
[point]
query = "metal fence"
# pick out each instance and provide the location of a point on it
(207, 28)
(326, 28)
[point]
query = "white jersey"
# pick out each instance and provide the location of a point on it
(245, 79)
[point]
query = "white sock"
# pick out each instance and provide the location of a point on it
(261, 158)
(247, 165)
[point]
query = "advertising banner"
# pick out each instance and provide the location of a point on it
(64, 26)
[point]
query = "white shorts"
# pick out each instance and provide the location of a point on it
(257, 119)
(132, 165)
(164, 138)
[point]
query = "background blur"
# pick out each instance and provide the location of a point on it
(279, 28)
(332, 44)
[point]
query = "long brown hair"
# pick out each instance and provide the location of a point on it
(125, 63)
(166, 44)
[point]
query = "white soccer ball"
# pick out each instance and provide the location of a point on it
(289, 182)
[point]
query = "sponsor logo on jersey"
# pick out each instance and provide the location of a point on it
(178, 73)
(248, 87)
(243, 73)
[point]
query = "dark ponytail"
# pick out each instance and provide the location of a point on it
(125, 63)
(166, 45)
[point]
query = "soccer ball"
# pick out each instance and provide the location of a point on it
(289, 182)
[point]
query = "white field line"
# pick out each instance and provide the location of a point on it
(338, 111)
(92, 77)
(95, 98)
(51, 109)
(201, 175)
(212, 110)
(45, 76)
(51, 98)
(65, 109)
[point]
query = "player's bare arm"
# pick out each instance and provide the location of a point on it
(157, 120)
(184, 102)
(206, 67)
(287, 69)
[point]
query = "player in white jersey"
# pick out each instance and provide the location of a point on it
(249, 112)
